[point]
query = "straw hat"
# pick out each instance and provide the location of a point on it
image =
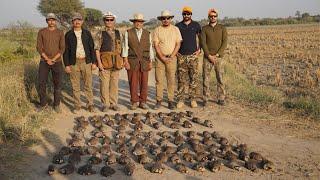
(109, 15)
(137, 17)
(165, 13)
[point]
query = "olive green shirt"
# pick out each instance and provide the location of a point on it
(214, 39)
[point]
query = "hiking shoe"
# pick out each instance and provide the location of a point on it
(91, 108)
(134, 106)
(143, 106)
(105, 108)
(158, 105)
(194, 104)
(57, 109)
(171, 105)
(180, 104)
(221, 102)
(115, 108)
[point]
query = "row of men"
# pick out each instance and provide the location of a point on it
(177, 50)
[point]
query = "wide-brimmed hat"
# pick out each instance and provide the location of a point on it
(137, 17)
(165, 13)
(51, 16)
(109, 15)
(77, 16)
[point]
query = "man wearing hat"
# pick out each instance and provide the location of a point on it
(50, 45)
(214, 42)
(79, 60)
(188, 58)
(138, 56)
(108, 53)
(166, 39)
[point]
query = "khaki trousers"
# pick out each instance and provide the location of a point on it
(109, 80)
(169, 71)
(81, 69)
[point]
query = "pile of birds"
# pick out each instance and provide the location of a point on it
(124, 139)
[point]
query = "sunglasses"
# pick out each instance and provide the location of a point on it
(165, 18)
(107, 20)
(186, 14)
(213, 16)
(138, 21)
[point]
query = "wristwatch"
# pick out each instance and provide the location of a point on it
(218, 55)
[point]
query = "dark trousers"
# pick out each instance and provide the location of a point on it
(56, 70)
(138, 82)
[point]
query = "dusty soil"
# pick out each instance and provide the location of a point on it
(292, 144)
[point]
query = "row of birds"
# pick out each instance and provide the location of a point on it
(183, 150)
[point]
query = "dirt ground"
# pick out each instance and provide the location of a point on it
(291, 143)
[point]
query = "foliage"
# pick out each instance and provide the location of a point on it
(92, 17)
(62, 8)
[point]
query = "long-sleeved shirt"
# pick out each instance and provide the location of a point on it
(125, 44)
(50, 42)
(214, 39)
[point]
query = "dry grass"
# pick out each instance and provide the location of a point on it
(284, 57)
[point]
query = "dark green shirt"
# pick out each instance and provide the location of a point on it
(214, 39)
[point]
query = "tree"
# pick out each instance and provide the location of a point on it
(298, 14)
(92, 17)
(305, 15)
(62, 8)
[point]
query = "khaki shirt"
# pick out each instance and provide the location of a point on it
(166, 38)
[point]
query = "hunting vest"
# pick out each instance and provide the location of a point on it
(106, 45)
(110, 57)
(139, 51)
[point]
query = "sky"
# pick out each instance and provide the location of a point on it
(12, 11)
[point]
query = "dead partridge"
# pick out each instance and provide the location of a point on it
(124, 159)
(144, 159)
(267, 165)
(256, 156)
(129, 169)
(58, 159)
(157, 167)
(111, 159)
(107, 171)
(51, 170)
(252, 165)
(199, 167)
(233, 164)
(215, 166)
(208, 123)
(187, 124)
(86, 170)
(67, 169)
(181, 168)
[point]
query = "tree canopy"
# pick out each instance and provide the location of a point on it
(62, 8)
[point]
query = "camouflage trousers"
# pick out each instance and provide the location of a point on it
(187, 76)
(207, 69)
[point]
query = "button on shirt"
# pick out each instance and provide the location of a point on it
(166, 38)
(189, 34)
(125, 45)
(80, 53)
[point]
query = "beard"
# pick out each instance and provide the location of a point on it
(186, 18)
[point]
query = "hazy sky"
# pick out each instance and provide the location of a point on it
(14, 10)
